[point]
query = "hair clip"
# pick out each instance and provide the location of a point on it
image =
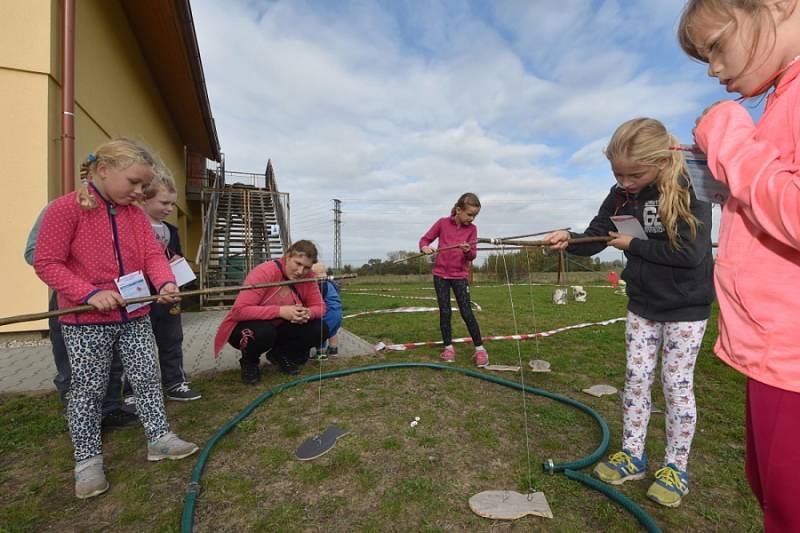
(91, 158)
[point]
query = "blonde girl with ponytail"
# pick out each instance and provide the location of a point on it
(669, 276)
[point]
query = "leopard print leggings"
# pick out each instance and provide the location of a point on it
(90, 350)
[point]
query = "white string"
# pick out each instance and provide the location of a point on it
(319, 361)
(521, 373)
(533, 307)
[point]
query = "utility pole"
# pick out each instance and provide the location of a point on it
(337, 235)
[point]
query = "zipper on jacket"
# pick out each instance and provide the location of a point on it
(112, 215)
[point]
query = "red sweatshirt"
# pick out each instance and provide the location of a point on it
(454, 263)
(265, 304)
(80, 252)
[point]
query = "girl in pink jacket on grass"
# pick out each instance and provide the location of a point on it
(751, 47)
(451, 271)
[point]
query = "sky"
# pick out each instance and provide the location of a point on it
(398, 107)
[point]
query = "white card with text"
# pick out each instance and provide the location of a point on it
(133, 285)
(629, 225)
(182, 271)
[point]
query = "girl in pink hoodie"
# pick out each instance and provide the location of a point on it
(451, 271)
(753, 47)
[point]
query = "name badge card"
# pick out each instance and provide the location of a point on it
(706, 188)
(182, 271)
(133, 285)
(629, 225)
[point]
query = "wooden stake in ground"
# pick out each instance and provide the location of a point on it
(144, 299)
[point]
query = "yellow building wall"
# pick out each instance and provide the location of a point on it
(26, 148)
(115, 96)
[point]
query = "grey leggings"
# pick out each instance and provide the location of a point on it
(461, 290)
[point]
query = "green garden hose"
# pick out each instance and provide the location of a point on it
(568, 469)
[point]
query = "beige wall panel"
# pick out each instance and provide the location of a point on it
(25, 34)
(114, 86)
(24, 150)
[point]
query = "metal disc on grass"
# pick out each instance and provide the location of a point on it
(509, 504)
(503, 368)
(318, 445)
(600, 390)
(539, 365)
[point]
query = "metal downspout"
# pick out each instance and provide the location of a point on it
(68, 99)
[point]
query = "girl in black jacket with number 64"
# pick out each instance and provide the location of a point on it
(670, 291)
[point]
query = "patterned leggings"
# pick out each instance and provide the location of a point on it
(461, 290)
(680, 342)
(90, 348)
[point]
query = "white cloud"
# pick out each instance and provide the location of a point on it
(397, 109)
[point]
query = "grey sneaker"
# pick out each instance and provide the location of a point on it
(183, 393)
(90, 480)
(170, 447)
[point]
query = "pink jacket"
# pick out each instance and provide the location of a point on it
(454, 263)
(265, 304)
(80, 252)
(758, 266)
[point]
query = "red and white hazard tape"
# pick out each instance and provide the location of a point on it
(410, 345)
(477, 306)
(399, 310)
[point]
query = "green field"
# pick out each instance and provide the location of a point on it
(386, 475)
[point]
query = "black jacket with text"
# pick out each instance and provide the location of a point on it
(663, 283)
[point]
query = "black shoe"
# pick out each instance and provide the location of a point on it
(286, 366)
(332, 350)
(251, 374)
(119, 418)
(183, 393)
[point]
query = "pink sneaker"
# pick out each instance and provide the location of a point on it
(448, 355)
(481, 357)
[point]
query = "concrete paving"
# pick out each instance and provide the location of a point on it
(28, 366)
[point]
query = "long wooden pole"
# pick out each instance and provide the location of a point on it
(533, 234)
(436, 251)
(579, 240)
(143, 299)
(509, 242)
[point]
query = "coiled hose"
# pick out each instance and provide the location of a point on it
(569, 469)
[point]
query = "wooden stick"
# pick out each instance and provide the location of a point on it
(532, 234)
(410, 257)
(579, 240)
(142, 299)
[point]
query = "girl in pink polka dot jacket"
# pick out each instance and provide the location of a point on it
(87, 240)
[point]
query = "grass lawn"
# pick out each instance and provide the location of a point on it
(386, 475)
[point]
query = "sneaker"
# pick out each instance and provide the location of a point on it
(90, 480)
(670, 486)
(169, 446)
(481, 357)
(448, 355)
(251, 374)
(318, 354)
(129, 401)
(287, 367)
(182, 393)
(621, 467)
(332, 350)
(119, 418)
